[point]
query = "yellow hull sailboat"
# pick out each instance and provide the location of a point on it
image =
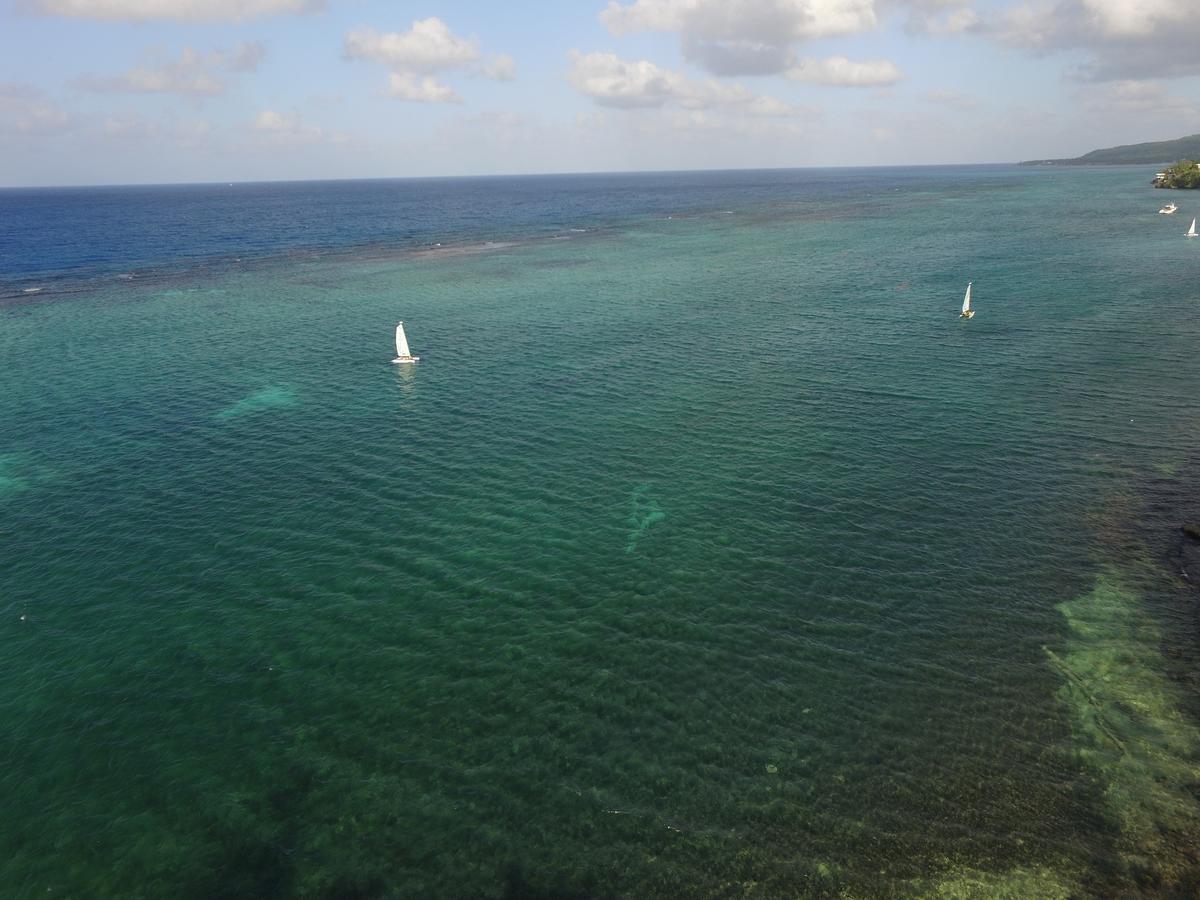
(967, 312)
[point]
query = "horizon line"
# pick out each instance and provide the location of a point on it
(221, 181)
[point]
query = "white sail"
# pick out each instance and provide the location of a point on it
(967, 300)
(401, 342)
(1191, 232)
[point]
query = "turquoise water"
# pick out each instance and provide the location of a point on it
(707, 555)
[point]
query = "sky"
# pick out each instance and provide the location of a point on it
(170, 91)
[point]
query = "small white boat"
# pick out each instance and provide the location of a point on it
(1191, 232)
(402, 353)
(967, 312)
(1168, 209)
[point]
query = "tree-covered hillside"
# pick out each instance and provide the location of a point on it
(1153, 153)
(1184, 174)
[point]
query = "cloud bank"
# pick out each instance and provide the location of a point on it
(1124, 39)
(742, 37)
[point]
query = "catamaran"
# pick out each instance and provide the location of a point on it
(967, 312)
(1191, 232)
(402, 353)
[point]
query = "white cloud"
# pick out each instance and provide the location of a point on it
(269, 120)
(501, 68)
(958, 21)
(187, 10)
(429, 46)
(192, 73)
(1126, 39)
(1129, 96)
(955, 21)
(414, 56)
(940, 16)
(421, 89)
(26, 110)
(246, 57)
(290, 128)
(837, 70)
(742, 37)
(1137, 18)
(611, 81)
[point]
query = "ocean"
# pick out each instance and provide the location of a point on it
(706, 552)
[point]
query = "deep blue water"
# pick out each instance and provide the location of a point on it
(84, 232)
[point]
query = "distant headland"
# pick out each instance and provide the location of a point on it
(1151, 153)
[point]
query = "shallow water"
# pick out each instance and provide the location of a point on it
(706, 552)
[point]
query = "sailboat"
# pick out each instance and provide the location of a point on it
(402, 353)
(1191, 232)
(967, 312)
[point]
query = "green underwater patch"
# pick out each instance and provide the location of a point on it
(643, 512)
(18, 474)
(1032, 883)
(11, 481)
(268, 398)
(1132, 731)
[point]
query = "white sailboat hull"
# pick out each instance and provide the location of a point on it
(406, 359)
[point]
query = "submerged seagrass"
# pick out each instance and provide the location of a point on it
(707, 552)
